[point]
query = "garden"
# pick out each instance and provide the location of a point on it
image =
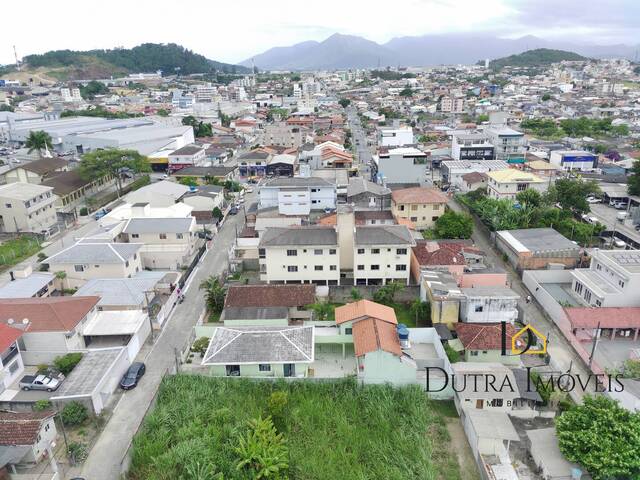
(212, 428)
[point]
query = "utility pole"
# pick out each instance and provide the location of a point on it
(146, 301)
(595, 345)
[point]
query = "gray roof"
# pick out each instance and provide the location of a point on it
(494, 292)
(158, 225)
(251, 345)
(297, 182)
(255, 313)
(383, 235)
(26, 287)
(490, 424)
(187, 150)
(299, 236)
(121, 291)
(538, 240)
(526, 388)
(98, 253)
(89, 373)
(204, 171)
(358, 185)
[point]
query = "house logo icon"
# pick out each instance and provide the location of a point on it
(530, 337)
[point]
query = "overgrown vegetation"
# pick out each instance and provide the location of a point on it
(332, 430)
(17, 249)
(74, 413)
(214, 294)
(98, 111)
(453, 225)
(539, 56)
(66, 363)
(574, 127)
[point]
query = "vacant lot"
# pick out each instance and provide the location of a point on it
(333, 430)
(16, 250)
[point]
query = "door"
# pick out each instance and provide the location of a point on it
(479, 404)
(289, 370)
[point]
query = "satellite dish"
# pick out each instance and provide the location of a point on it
(10, 321)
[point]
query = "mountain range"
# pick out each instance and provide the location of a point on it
(349, 51)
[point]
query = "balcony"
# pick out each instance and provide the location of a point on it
(9, 354)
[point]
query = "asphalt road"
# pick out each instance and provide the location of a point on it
(359, 139)
(106, 456)
(608, 216)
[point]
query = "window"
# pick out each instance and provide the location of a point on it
(126, 263)
(436, 206)
(262, 253)
(135, 256)
(587, 296)
(414, 208)
(292, 253)
(333, 268)
(401, 208)
(433, 219)
(163, 236)
(264, 367)
(292, 268)
(360, 251)
(401, 268)
(598, 303)
(348, 331)
(522, 187)
(621, 283)
(318, 251)
(8, 205)
(360, 267)
(178, 236)
(478, 308)
(375, 267)
(135, 235)
(473, 353)
(332, 251)
(318, 268)
(78, 268)
(578, 288)
(401, 251)
(414, 219)
(375, 251)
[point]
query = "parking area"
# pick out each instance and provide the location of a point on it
(608, 215)
(15, 394)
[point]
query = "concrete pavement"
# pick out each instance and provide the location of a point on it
(106, 456)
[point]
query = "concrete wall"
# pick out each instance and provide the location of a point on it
(384, 367)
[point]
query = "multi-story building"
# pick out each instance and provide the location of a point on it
(508, 183)
(187, 156)
(452, 171)
(509, 144)
(205, 93)
(253, 163)
(298, 195)
(382, 254)
(26, 207)
(70, 95)
(449, 104)
(420, 205)
(573, 160)
(489, 305)
(400, 165)
(300, 255)
(612, 280)
(284, 135)
(471, 146)
(395, 137)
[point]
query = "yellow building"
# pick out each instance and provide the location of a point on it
(420, 205)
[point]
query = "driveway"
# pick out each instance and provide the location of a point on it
(106, 456)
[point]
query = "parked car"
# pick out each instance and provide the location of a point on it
(133, 376)
(100, 213)
(620, 206)
(594, 200)
(205, 235)
(39, 382)
(621, 216)
(233, 211)
(619, 243)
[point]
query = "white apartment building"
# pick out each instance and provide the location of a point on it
(298, 195)
(401, 165)
(70, 95)
(450, 104)
(187, 156)
(509, 144)
(471, 146)
(612, 280)
(395, 137)
(27, 207)
(382, 254)
(205, 93)
(300, 255)
(508, 183)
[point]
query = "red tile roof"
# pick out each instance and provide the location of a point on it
(608, 317)
(363, 309)
(370, 335)
(50, 314)
(270, 296)
(8, 336)
(21, 428)
(484, 336)
(442, 252)
(418, 195)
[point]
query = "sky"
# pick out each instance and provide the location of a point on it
(233, 31)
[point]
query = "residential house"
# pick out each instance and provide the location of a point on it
(382, 254)
(473, 181)
(26, 283)
(420, 205)
(204, 200)
(569, 160)
(11, 364)
(28, 207)
(400, 165)
(483, 342)
(253, 163)
(395, 137)
(454, 256)
(441, 290)
(158, 194)
(261, 351)
(86, 260)
(298, 195)
(26, 437)
(363, 194)
(36, 171)
(508, 183)
(332, 157)
(187, 156)
(452, 171)
(295, 298)
(72, 190)
(204, 175)
(300, 255)
(537, 248)
(51, 326)
(489, 304)
(473, 394)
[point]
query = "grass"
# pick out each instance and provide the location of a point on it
(334, 430)
(16, 250)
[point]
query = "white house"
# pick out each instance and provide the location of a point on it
(187, 156)
(11, 364)
(508, 183)
(489, 305)
(395, 137)
(298, 195)
(158, 194)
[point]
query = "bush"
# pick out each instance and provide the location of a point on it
(200, 345)
(452, 355)
(41, 405)
(84, 212)
(67, 362)
(74, 413)
(78, 452)
(42, 368)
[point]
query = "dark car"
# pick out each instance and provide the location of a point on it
(233, 211)
(133, 376)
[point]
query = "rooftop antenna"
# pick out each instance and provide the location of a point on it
(15, 53)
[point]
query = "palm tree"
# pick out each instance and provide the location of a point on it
(214, 293)
(61, 276)
(38, 140)
(322, 310)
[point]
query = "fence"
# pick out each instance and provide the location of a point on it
(342, 293)
(192, 266)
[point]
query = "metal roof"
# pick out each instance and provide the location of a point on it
(299, 236)
(383, 235)
(96, 253)
(159, 225)
(88, 373)
(26, 287)
(121, 291)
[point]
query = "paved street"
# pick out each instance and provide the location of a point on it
(359, 139)
(105, 458)
(608, 216)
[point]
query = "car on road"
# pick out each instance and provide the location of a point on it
(100, 213)
(133, 376)
(589, 218)
(39, 382)
(233, 211)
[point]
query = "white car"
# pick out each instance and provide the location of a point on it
(619, 243)
(594, 200)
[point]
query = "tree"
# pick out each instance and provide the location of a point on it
(38, 140)
(61, 275)
(633, 180)
(322, 310)
(529, 198)
(217, 213)
(420, 310)
(572, 194)
(387, 294)
(6, 108)
(188, 181)
(355, 294)
(200, 129)
(113, 162)
(603, 437)
(546, 97)
(406, 92)
(163, 112)
(66, 363)
(454, 225)
(214, 294)
(344, 102)
(93, 88)
(262, 450)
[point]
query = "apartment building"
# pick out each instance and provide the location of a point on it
(510, 145)
(27, 207)
(282, 134)
(612, 280)
(420, 205)
(449, 104)
(300, 255)
(395, 137)
(187, 156)
(382, 254)
(472, 146)
(298, 195)
(508, 183)
(400, 165)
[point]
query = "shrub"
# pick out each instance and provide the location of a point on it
(67, 362)
(452, 355)
(262, 450)
(42, 368)
(200, 345)
(41, 405)
(74, 413)
(84, 212)
(78, 452)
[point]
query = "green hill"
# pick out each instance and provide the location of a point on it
(146, 58)
(533, 58)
